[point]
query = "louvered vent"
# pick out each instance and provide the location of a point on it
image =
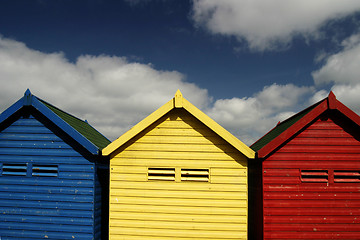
(319, 176)
(198, 175)
(11, 169)
(346, 176)
(45, 170)
(164, 174)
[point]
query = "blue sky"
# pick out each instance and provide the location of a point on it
(247, 64)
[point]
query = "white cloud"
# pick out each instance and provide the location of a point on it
(114, 93)
(251, 117)
(342, 70)
(111, 92)
(342, 67)
(269, 25)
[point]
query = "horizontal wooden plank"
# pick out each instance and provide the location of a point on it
(284, 180)
(313, 227)
(313, 187)
(182, 163)
(137, 237)
(181, 123)
(46, 189)
(319, 149)
(39, 152)
(181, 140)
(45, 197)
(312, 219)
(29, 137)
(27, 129)
(34, 144)
(324, 125)
(295, 211)
(30, 211)
(168, 147)
(116, 232)
(158, 131)
(180, 186)
(30, 181)
(312, 203)
(182, 210)
(345, 141)
(54, 235)
(23, 219)
(44, 204)
(276, 172)
(66, 228)
(324, 134)
(320, 164)
(165, 225)
(290, 235)
(180, 217)
(43, 159)
(178, 194)
(312, 195)
(178, 202)
(179, 155)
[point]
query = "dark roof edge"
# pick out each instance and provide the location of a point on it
(31, 100)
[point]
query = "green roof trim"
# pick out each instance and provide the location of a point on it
(80, 126)
(280, 128)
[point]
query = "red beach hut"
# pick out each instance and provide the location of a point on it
(310, 174)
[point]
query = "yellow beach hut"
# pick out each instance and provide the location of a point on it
(178, 175)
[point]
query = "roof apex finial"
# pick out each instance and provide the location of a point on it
(27, 92)
(27, 98)
(178, 103)
(331, 100)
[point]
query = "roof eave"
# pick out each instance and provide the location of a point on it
(89, 146)
(284, 136)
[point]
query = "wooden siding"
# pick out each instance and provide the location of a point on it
(150, 209)
(313, 210)
(44, 207)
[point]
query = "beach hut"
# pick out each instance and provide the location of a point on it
(178, 175)
(51, 173)
(310, 168)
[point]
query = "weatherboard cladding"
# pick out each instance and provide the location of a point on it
(178, 209)
(178, 175)
(311, 183)
(49, 187)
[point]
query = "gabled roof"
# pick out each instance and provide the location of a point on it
(179, 102)
(288, 128)
(76, 128)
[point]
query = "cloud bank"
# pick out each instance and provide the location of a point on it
(269, 25)
(113, 93)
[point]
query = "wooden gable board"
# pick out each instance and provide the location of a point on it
(179, 102)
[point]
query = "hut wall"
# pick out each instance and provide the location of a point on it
(311, 185)
(46, 187)
(178, 180)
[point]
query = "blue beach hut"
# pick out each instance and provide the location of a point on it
(52, 175)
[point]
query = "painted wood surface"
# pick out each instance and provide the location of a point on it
(46, 207)
(177, 209)
(299, 205)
